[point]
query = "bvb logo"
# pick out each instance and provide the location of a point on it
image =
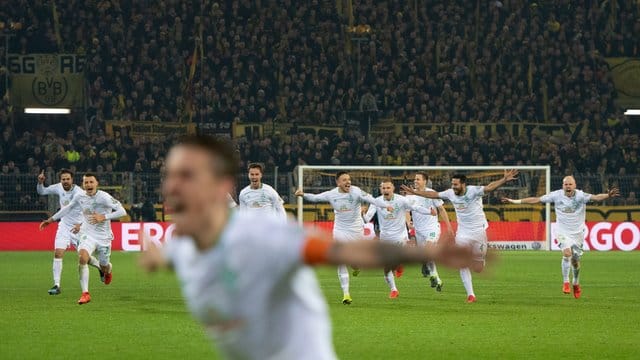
(48, 86)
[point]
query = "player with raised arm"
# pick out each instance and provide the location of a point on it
(346, 200)
(246, 277)
(472, 222)
(98, 209)
(570, 205)
(258, 197)
(66, 234)
(427, 227)
(391, 220)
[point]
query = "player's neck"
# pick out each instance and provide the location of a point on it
(209, 235)
(256, 187)
(388, 197)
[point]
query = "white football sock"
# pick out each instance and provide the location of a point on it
(94, 262)
(465, 275)
(57, 271)
(566, 264)
(83, 271)
(391, 280)
(576, 275)
(343, 276)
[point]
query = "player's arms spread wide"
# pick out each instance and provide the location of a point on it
(509, 175)
(428, 194)
(613, 192)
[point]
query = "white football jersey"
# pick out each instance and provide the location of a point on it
(64, 198)
(101, 203)
(264, 200)
(393, 224)
(571, 212)
(425, 223)
(469, 211)
(252, 291)
(347, 208)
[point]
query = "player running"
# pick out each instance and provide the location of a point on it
(472, 222)
(346, 201)
(570, 205)
(66, 235)
(245, 276)
(258, 197)
(427, 227)
(98, 209)
(393, 228)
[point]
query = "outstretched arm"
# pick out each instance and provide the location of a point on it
(529, 200)
(60, 214)
(613, 192)
(375, 254)
(508, 176)
(427, 194)
(322, 197)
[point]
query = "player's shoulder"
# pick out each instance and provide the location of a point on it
(245, 189)
(77, 189)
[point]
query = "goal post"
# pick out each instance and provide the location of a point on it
(516, 227)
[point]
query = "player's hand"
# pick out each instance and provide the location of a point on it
(614, 192)
(96, 218)
(511, 174)
(151, 258)
(45, 223)
(506, 200)
(434, 212)
(75, 229)
(41, 177)
(407, 189)
(299, 192)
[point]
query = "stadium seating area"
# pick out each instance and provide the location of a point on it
(269, 60)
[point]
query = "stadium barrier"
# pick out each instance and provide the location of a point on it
(601, 236)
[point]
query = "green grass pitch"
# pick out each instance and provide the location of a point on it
(521, 313)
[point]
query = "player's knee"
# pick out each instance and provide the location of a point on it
(477, 267)
(567, 252)
(83, 257)
(58, 253)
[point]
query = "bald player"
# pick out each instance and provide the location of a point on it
(570, 206)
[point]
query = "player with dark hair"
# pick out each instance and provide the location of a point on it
(66, 235)
(245, 276)
(472, 222)
(98, 208)
(258, 197)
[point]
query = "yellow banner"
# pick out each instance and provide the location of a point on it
(474, 129)
(46, 80)
(626, 76)
(148, 129)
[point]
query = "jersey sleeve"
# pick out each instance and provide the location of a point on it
(437, 202)
(322, 197)
(278, 204)
(446, 195)
(370, 213)
(475, 191)
(413, 206)
(368, 198)
(548, 198)
(584, 197)
(46, 190)
(277, 246)
(117, 210)
(66, 209)
(242, 199)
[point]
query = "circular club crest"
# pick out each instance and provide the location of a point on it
(48, 86)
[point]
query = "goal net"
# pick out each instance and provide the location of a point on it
(511, 227)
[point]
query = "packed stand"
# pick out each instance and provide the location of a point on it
(271, 60)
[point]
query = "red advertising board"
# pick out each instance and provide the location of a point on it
(601, 236)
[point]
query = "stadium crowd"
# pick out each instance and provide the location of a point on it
(270, 60)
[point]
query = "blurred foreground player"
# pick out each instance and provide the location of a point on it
(245, 276)
(570, 205)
